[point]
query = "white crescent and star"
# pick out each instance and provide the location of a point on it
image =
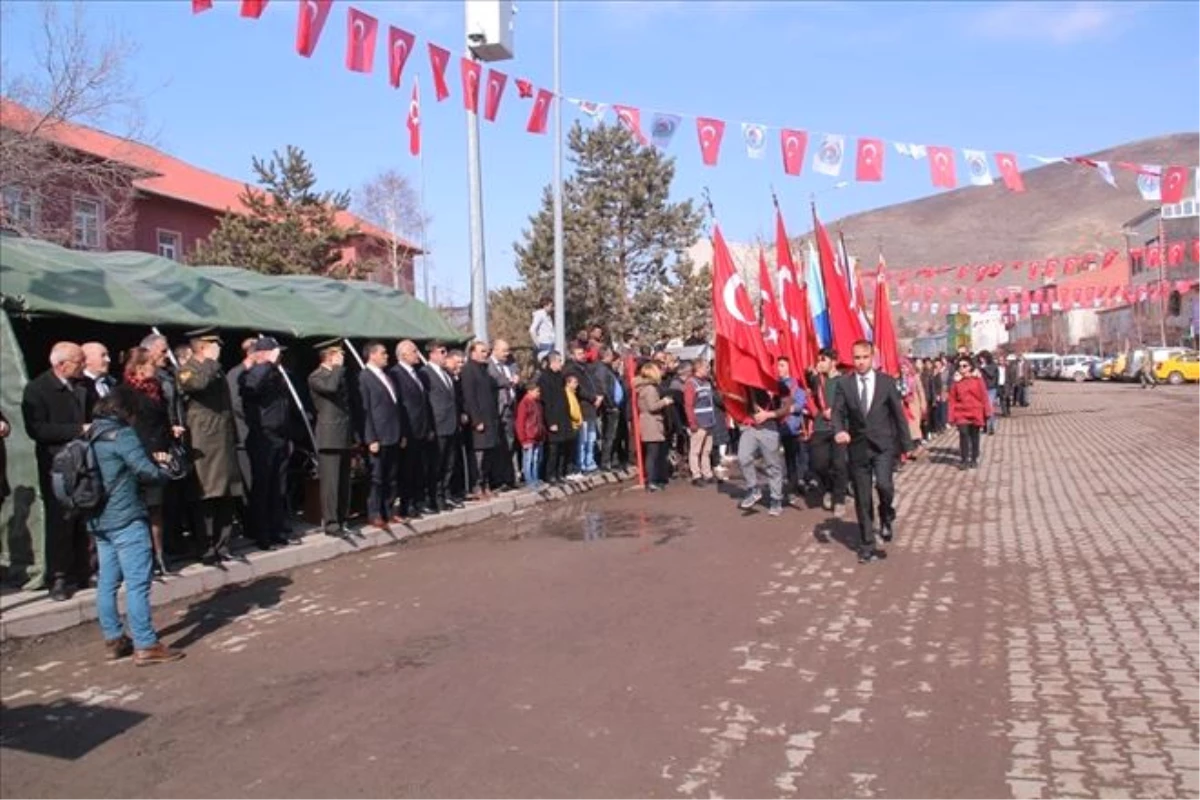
(729, 297)
(869, 152)
(941, 160)
(400, 52)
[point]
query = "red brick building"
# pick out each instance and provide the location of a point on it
(175, 204)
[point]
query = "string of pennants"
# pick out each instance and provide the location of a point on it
(1158, 183)
(1042, 300)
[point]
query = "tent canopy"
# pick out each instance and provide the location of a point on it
(141, 289)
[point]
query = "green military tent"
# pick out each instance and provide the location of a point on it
(51, 291)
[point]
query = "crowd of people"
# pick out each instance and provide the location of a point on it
(191, 455)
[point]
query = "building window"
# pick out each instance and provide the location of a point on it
(169, 244)
(88, 218)
(19, 208)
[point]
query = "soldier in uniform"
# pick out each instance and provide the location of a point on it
(331, 399)
(265, 403)
(216, 481)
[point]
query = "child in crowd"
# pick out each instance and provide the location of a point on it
(531, 432)
(576, 415)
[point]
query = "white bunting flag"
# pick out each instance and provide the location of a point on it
(1106, 172)
(913, 151)
(1149, 182)
(827, 160)
(593, 110)
(756, 139)
(977, 167)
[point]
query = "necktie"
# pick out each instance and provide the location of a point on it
(862, 393)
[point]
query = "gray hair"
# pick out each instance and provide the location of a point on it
(152, 339)
(63, 352)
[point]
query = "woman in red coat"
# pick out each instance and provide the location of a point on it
(969, 410)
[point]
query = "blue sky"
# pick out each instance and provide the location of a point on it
(1049, 79)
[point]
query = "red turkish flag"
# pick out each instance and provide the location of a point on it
(496, 82)
(201, 5)
(631, 119)
(1039, 295)
(1051, 267)
(1175, 254)
(524, 88)
(1089, 295)
(361, 28)
(941, 166)
(541, 111)
(1070, 265)
(869, 166)
(414, 121)
(844, 324)
(793, 143)
(252, 8)
(439, 60)
(1195, 249)
(773, 328)
(749, 363)
(400, 47)
(471, 73)
(1174, 179)
(710, 132)
(887, 348)
(309, 24)
(1006, 165)
(801, 338)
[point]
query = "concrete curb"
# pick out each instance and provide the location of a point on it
(29, 614)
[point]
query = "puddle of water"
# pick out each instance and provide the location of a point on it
(589, 525)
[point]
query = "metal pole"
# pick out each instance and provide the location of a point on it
(1162, 258)
(560, 301)
(424, 216)
(478, 270)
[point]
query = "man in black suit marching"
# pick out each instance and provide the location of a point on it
(335, 437)
(868, 415)
(381, 432)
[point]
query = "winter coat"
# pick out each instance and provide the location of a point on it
(124, 466)
(530, 423)
(969, 404)
(574, 411)
(480, 392)
(554, 406)
(212, 430)
(650, 405)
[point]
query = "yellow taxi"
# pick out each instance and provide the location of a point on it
(1177, 368)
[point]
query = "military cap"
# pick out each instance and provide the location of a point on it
(265, 344)
(327, 344)
(208, 334)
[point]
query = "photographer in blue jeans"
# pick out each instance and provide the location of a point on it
(122, 531)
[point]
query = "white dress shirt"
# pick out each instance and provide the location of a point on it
(869, 379)
(384, 379)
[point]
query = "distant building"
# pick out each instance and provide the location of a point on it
(176, 204)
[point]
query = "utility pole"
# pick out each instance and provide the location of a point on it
(560, 292)
(1162, 258)
(479, 322)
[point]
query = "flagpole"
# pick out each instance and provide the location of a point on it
(560, 292)
(424, 220)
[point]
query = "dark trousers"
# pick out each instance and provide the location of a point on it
(968, 443)
(657, 465)
(795, 459)
(333, 473)
(214, 525)
(410, 475)
(610, 424)
(268, 466)
(66, 540)
(828, 459)
(484, 468)
(502, 471)
(178, 515)
(1005, 400)
(869, 466)
(440, 469)
(383, 482)
(554, 466)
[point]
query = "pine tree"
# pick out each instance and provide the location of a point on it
(289, 227)
(623, 238)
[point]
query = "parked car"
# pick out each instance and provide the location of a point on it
(1176, 369)
(1076, 368)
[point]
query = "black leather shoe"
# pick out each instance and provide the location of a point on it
(886, 532)
(59, 591)
(867, 555)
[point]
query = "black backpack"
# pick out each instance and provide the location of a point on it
(75, 475)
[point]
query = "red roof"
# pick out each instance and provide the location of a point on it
(167, 176)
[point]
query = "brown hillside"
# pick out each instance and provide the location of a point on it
(1066, 209)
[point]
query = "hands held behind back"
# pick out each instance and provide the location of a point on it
(842, 437)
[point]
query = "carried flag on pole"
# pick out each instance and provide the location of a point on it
(773, 327)
(414, 120)
(887, 350)
(843, 322)
(818, 311)
(734, 321)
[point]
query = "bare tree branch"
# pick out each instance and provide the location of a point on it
(389, 202)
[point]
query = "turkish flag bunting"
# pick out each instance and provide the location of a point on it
(361, 28)
(941, 166)
(1006, 165)
(1051, 267)
(1034, 267)
(962, 272)
(414, 121)
(496, 82)
(541, 111)
(309, 24)
(1174, 254)
(524, 88)
(250, 8)
(793, 143)
(631, 119)
(1110, 258)
(1174, 179)
(1195, 249)
(201, 5)
(774, 330)
(710, 132)
(869, 166)
(439, 60)
(1070, 265)
(747, 361)
(471, 70)
(400, 46)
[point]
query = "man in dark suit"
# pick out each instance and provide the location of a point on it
(56, 409)
(483, 413)
(868, 415)
(444, 407)
(267, 407)
(416, 429)
(381, 432)
(331, 400)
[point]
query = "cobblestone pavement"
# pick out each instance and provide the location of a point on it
(1033, 633)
